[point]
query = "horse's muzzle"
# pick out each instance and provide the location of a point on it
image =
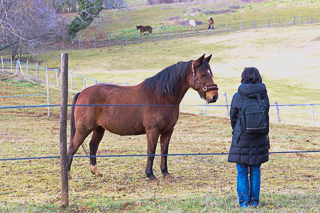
(213, 99)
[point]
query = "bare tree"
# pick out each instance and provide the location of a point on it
(27, 24)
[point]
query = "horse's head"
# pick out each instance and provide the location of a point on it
(138, 27)
(202, 79)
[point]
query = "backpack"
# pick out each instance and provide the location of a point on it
(255, 117)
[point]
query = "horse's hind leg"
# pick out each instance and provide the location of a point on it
(164, 141)
(94, 144)
(74, 146)
(152, 138)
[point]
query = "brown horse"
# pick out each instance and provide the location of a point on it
(151, 107)
(144, 29)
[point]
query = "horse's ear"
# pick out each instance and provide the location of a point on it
(207, 59)
(200, 60)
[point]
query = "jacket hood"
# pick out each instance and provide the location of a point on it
(251, 90)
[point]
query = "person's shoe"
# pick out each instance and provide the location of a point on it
(245, 205)
(254, 204)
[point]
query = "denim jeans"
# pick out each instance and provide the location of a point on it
(248, 195)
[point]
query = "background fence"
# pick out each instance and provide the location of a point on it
(306, 114)
(168, 32)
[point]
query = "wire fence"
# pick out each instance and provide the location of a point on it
(297, 114)
(168, 32)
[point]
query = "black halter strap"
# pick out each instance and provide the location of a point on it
(204, 87)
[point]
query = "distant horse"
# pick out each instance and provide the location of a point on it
(144, 29)
(192, 24)
(151, 107)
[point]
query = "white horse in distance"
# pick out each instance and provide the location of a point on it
(192, 24)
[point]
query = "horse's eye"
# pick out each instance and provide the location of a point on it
(203, 74)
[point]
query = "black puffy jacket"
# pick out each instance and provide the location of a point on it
(246, 150)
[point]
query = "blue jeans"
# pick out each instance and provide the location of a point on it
(248, 196)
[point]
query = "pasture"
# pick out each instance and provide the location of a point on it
(288, 59)
(290, 182)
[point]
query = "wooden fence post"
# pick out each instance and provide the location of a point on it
(17, 66)
(27, 67)
(196, 30)
(48, 99)
(79, 44)
(126, 39)
(63, 131)
(300, 16)
(71, 80)
(227, 27)
(182, 105)
(254, 24)
(84, 81)
(205, 106)
(313, 114)
(274, 16)
(11, 63)
(225, 95)
(278, 114)
(57, 77)
(2, 63)
(311, 17)
(95, 43)
(294, 20)
(154, 37)
(37, 68)
(168, 34)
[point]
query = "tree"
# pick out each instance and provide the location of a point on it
(27, 24)
(89, 10)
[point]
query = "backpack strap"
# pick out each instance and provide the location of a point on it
(259, 99)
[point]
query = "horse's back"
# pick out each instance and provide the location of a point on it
(125, 110)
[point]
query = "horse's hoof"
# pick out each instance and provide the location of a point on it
(99, 174)
(94, 171)
(155, 180)
(168, 176)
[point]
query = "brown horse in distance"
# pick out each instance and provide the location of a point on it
(144, 29)
(151, 108)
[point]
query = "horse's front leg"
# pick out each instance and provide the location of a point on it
(164, 141)
(152, 139)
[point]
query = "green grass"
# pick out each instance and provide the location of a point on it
(145, 15)
(290, 182)
(287, 58)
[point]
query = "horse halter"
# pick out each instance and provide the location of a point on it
(204, 87)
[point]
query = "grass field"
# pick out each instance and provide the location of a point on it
(288, 59)
(290, 182)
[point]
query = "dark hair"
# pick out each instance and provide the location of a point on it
(251, 75)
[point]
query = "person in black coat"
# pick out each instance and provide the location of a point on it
(248, 152)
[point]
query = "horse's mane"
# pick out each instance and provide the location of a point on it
(166, 82)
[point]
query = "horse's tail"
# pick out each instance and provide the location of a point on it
(72, 122)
